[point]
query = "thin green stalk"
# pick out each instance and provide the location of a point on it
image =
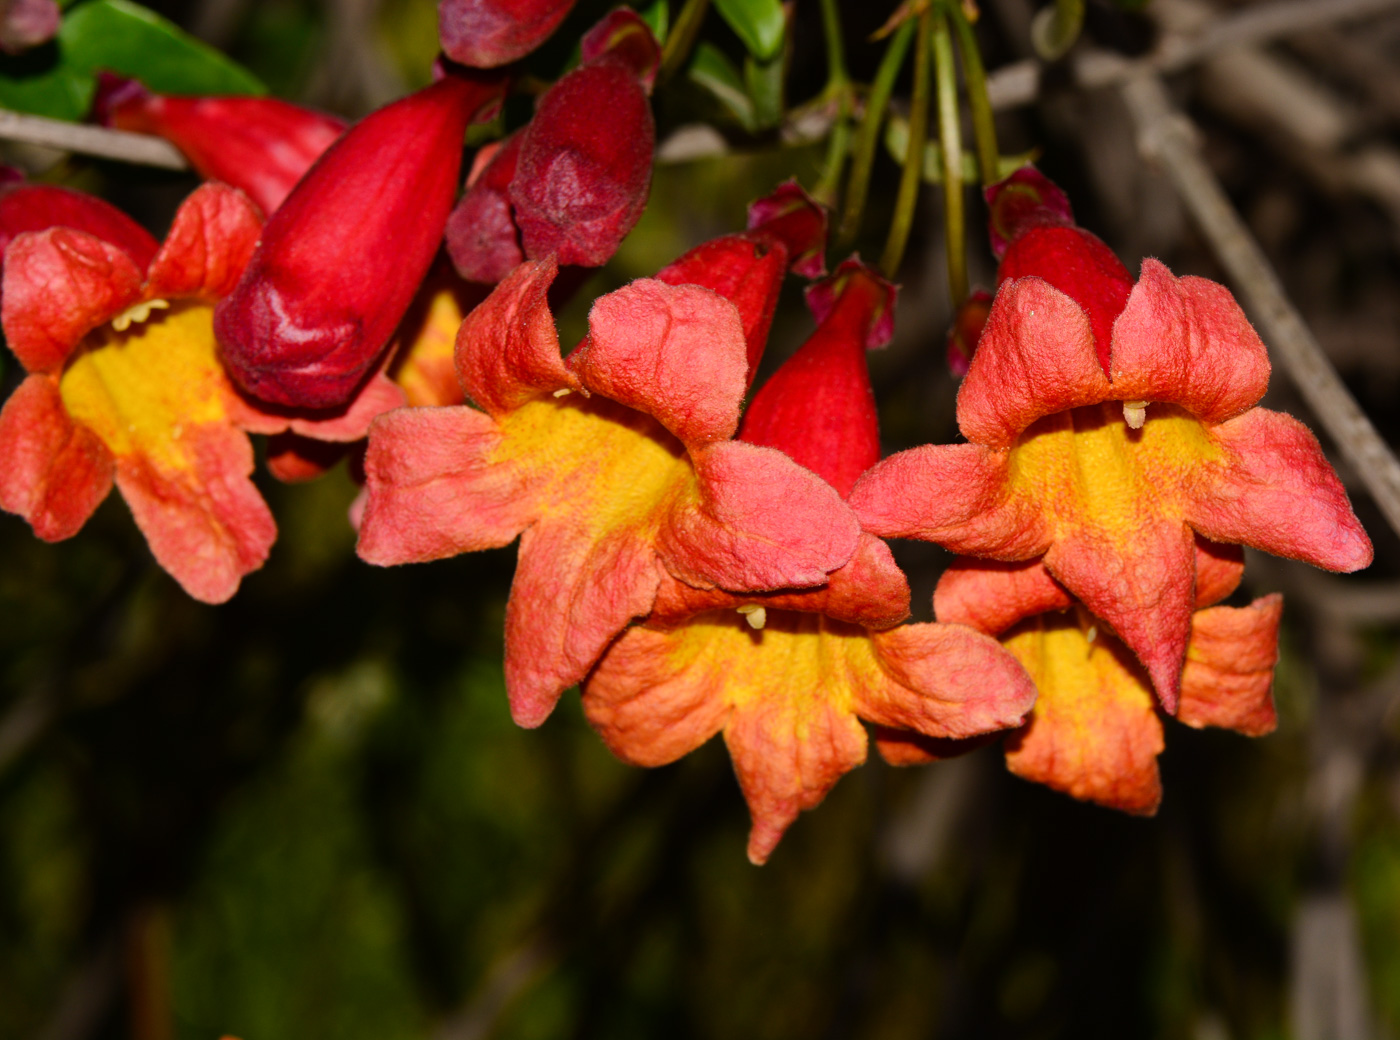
(839, 83)
(950, 137)
(681, 39)
(984, 126)
(912, 177)
(868, 136)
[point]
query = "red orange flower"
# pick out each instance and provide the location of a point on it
(787, 676)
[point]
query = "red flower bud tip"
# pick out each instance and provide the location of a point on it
(341, 259)
(1027, 199)
(482, 238)
(787, 227)
(487, 33)
(261, 145)
(27, 23)
(623, 36)
(36, 207)
(585, 165)
(798, 221)
(819, 407)
(967, 330)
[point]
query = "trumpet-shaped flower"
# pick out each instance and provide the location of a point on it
(1096, 731)
(613, 469)
(342, 258)
(124, 385)
(259, 145)
(787, 676)
(1106, 446)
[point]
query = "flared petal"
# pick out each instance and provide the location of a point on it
(1036, 357)
(435, 489)
(571, 596)
(53, 472)
(1219, 569)
(1185, 340)
(1229, 670)
(755, 520)
(991, 596)
(59, 285)
(507, 348)
(1275, 490)
(676, 353)
(206, 525)
(945, 681)
(1094, 732)
(957, 495)
(37, 207)
(209, 245)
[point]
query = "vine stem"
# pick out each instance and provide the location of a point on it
(838, 83)
(868, 135)
(984, 126)
(912, 177)
(1169, 137)
(681, 39)
(950, 138)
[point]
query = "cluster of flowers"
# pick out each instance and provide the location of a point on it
(693, 566)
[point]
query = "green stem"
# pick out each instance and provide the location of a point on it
(950, 137)
(984, 125)
(839, 83)
(914, 160)
(868, 136)
(681, 39)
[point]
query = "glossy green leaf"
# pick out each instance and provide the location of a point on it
(714, 72)
(759, 23)
(58, 80)
(658, 19)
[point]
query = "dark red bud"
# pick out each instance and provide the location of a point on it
(968, 324)
(484, 34)
(1080, 266)
(27, 23)
(482, 238)
(819, 408)
(798, 221)
(340, 260)
(1027, 199)
(585, 166)
(34, 207)
(260, 145)
(622, 36)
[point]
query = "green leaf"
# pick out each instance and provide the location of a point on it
(658, 19)
(759, 23)
(58, 80)
(764, 81)
(714, 72)
(897, 145)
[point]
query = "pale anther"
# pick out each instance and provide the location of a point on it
(137, 313)
(755, 615)
(1135, 413)
(563, 393)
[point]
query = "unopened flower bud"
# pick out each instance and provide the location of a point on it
(485, 34)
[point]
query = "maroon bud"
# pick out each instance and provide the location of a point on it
(486, 33)
(260, 145)
(340, 260)
(482, 238)
(794, 218)
(623, 36)
(27, 23)
(1027, 199)
(968, 324)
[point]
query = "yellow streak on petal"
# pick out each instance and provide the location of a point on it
(1089, 467)
(427, 339)
(140, 389)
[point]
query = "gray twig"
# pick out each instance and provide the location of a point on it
(1167, 136)
(142, 149)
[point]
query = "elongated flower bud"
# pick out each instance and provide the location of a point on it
(819, 408)
(485, 34)
(339, 262)
(482, 238)
(260, 145)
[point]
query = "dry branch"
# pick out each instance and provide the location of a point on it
(91, 140)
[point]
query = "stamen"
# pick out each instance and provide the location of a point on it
(1135, 413)
(563, 393)
(137, 313)
(755, 615)
(1092, 634)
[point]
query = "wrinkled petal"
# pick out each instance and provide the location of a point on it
(1276, 491)
(571, 597)
(1229, 670)
(209, 245)
(1036, 357)
(757, 521)
(1094, 732)
(37, 207)
(60, 284)
(991, 596)
(675, 352)
(1185, 340)
(53, 472)
(1219, 569)
(435, 489)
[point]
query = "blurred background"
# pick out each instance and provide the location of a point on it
(306, 814)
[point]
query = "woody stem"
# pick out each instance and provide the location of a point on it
(909, 181)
